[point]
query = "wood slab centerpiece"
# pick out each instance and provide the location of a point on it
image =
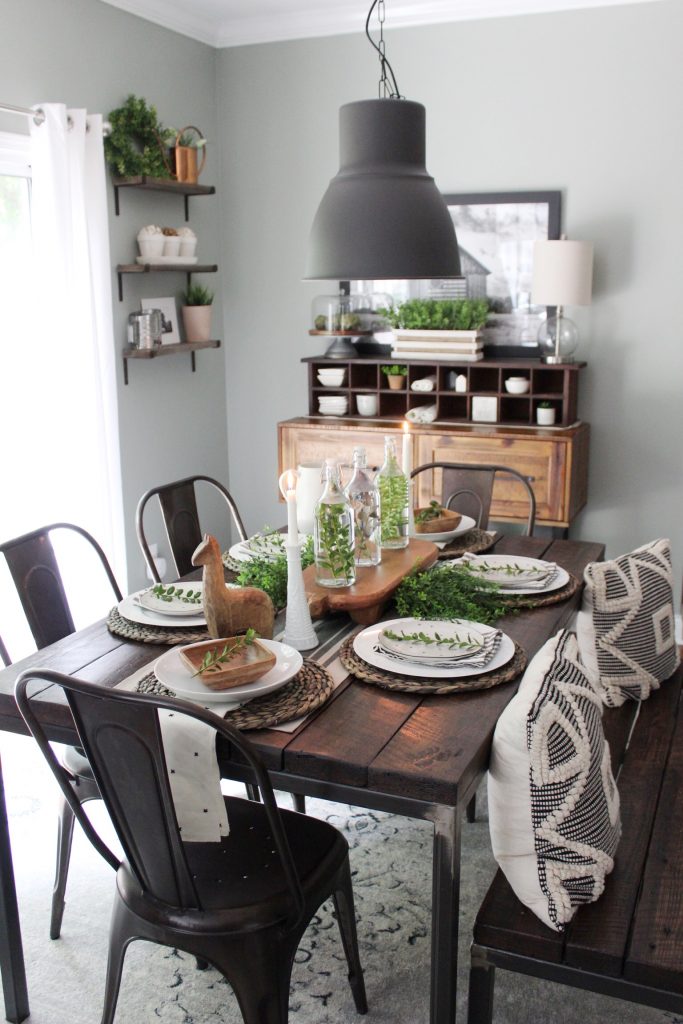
(367, 598)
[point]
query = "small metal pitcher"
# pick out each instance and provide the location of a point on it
(146, 328)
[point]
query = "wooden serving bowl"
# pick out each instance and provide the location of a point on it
(248, 664)
(448, 520)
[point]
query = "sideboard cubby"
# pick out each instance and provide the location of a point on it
(557, 385)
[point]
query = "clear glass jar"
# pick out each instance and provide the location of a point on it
(333, 533)
(393, 496)
(335, 313)
(363, 496)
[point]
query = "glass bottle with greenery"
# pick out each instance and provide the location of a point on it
(333, 533)
(363, 496)
(393, 495)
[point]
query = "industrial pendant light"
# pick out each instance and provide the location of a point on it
(382, 216)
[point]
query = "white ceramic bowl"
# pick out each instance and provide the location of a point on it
(366, 405)
(516, 385)
(329, 377)
(331, 382)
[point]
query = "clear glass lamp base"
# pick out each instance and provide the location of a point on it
(558, 338)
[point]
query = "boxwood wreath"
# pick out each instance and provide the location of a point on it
(137, 141)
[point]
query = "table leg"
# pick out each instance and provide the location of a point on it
(12, 966)
(445, 911)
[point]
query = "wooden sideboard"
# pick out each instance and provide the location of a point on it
(555, 460)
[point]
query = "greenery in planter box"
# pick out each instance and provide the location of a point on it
(137, 141)
(438, 314)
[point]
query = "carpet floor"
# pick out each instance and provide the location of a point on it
(391, 864)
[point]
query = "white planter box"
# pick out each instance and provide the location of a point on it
(463, 346)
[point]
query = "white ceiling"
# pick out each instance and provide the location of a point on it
(238, 22)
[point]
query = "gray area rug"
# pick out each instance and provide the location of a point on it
(391, 862)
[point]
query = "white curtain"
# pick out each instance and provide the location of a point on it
(70, 415)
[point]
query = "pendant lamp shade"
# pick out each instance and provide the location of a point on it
(382, 216)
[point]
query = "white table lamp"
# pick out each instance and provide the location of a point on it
(563, 275)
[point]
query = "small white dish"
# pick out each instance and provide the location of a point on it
(171, 671)
(516, 385)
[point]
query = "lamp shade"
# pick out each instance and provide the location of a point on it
(563, 273)
(382, 216)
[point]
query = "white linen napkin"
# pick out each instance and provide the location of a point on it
(194, 777)
(424, 383)
(540, 580)
(422, 414)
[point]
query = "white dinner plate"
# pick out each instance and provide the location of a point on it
(560, 580)
(366, 646)
(172, 671)
(465, 524)
(266, 546)
(134, 612)
(151, 602)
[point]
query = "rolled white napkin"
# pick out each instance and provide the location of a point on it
(424, 383)
(422, 414)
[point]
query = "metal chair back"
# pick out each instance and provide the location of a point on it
(178, 503)
(33, 566)
(468, 488)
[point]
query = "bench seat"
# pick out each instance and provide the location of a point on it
(629, 943)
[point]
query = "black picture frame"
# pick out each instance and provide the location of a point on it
(496, 232)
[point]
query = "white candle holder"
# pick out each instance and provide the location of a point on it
(299, 631)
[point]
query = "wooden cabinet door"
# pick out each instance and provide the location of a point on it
(310, 443)
(543, 461)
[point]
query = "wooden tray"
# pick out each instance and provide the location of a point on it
(366, 599)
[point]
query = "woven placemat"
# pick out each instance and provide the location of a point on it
(310, 687)
(540, 600)
(154, 634)
(474, 541)
(412, 684)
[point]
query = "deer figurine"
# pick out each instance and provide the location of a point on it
(230, 611)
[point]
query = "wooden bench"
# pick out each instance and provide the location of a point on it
(628, 944)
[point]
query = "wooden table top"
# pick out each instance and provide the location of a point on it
(417, 747)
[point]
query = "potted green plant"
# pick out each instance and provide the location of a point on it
(438, 327)
(396, 376)
(545, 414)
(197, 313)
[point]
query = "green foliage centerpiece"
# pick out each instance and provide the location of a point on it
(449, 592)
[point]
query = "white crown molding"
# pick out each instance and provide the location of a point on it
(212, 23)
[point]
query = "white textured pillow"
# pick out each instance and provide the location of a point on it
(553, 802)
(626, 624)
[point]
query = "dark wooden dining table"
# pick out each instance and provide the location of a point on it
(413, 755)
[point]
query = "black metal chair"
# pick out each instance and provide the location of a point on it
(33, 566)
(178, 503)
(468, 487)
(243, 903)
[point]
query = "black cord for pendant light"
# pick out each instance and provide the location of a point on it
(384, 63)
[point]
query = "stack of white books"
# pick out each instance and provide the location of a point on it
(442, 346)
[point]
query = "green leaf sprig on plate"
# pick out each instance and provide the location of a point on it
(509, 570)
(176, 593)
(449, 592)
(452, 642)
(270, 574)
(212, 659)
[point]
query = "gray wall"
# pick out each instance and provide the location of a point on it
(589, 102)
(88, 54)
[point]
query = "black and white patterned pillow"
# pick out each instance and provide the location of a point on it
(553, 802)
(626, 623)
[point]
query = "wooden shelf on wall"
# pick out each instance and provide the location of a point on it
(184, 348)
(163, 268)
(179, 188)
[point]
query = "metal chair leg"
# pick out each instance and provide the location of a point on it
(346, 917)
(64, 837)
(482, 981)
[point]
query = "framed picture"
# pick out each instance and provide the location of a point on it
(170, 312)
(496, 232)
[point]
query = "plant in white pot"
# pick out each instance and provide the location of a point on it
(197, 313)
(545, 414)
